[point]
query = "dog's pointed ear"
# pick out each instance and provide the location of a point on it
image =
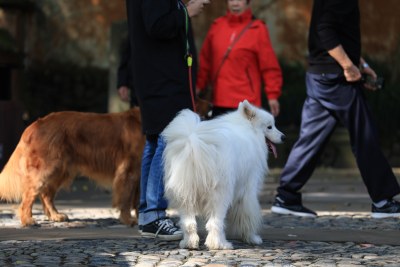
(247, 110)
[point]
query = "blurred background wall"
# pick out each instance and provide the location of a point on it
(63, 54)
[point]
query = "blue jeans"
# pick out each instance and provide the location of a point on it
(152, 202)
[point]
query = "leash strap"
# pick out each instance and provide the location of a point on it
(188, 55)
(229, 49)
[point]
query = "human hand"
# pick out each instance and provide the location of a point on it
(195, 7)
(274, 107)
(123, 93)
(198, 91)
(371, 73)
(352, 73)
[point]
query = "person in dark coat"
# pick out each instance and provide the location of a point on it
(124, 74)
(161, 40)
(335, 95)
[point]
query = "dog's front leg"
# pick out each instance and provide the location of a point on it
(189, 226)
(216, 234)
(47, 198)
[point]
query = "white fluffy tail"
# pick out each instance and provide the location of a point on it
(10, 179)
(188, 161)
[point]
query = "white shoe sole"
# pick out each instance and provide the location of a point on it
(378, 215)
(284, 211)
(175, 237)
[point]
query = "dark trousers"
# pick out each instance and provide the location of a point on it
(220, 110)
(331, 100)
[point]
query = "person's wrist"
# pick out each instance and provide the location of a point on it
(347, 66)
(364, 65)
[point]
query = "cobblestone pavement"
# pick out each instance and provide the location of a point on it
(343, 234)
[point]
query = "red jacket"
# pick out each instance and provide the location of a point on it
(251, 60)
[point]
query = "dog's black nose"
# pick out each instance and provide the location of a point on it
(283, 138)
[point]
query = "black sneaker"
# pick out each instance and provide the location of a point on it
(164, 229)
(280, 207)
(390, 209)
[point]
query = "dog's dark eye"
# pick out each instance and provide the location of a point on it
(269, 127)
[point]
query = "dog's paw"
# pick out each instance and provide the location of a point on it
(190, 243)
(59, 217)
(255, 240)
(213, 244)
(128, 220)
(226, 245)
(26, 222)
(223, 245)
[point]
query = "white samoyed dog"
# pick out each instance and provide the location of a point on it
(215, 168)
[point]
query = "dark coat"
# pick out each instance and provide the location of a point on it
(333, 23)
(158, 41)
(124, 73)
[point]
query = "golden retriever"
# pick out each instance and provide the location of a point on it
(53, 150)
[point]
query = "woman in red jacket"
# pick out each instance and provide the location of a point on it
(236, 57)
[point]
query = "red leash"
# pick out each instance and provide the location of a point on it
(189, 56)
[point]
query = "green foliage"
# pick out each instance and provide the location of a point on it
(7, 42)
(293, 94)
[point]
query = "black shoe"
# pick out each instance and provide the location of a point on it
(280, 207)
(164, 229)
(390, 209)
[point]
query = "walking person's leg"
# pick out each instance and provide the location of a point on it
(156, 204)
(148, 154)
(153, 216)
(316, 127)
(317, 124)
(375, 170)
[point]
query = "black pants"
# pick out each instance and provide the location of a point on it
(216, 111)
(330, 101)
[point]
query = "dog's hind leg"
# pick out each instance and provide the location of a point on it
(125, 191)
(189, 227)
(245, 218)
(25, 208)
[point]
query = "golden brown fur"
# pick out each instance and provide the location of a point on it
(57, 148)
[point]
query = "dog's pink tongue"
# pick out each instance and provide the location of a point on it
(273, 148)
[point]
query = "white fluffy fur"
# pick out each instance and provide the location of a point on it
(215, 169)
